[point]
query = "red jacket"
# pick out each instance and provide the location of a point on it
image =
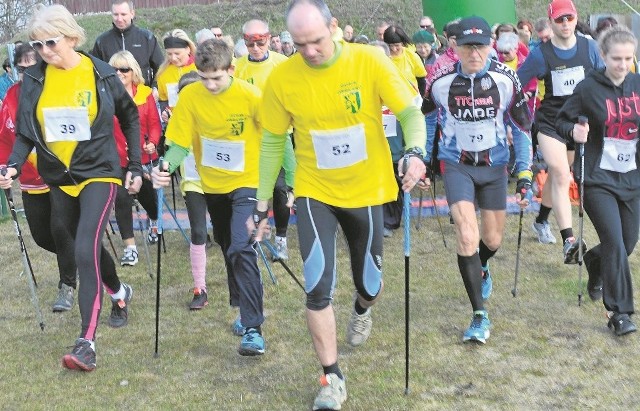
(30, 179)
(149, 125)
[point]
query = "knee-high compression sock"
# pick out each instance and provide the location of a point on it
(543, 215)
(470, 268)
(485, 254)
(198, 265)
(333, 369)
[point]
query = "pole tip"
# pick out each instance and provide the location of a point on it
(156, 355)
(514, 292)
(42, 326)
(406, 391)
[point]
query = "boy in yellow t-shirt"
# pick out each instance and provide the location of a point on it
(218, 118)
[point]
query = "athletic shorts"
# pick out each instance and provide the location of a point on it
(486, 185)
(547, 126)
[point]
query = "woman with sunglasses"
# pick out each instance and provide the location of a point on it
(129, 72)
(35, 192)
(562, 63)
(609, 99)
(66, 110)
(179, 60)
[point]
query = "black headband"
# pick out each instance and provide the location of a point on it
(175, 43)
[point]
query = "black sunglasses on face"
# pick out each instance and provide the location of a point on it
(122, 69)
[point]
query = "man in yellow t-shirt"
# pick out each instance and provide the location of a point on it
(255, 68)
(331, 92)
(218, 118)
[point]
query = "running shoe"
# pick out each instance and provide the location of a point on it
(594, 283)
(620, 324)
(281, 248)
(120, 309)
(478, 331)
(543, 231)
(237, 328)
(82, 357)
(487, 283)
(332, 394)
(200, 299)
(359, 328)
(152, 236)
(129, 257)
(64, 302)
(570, 249)
(386, 232)
(252, 343)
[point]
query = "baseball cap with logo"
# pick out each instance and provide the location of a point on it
(559, 8)
(473, 30)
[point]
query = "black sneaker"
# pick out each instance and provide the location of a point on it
(120, 309)
(82, 357)
(200, 299)
(571, 248)
(594, 284)
(621, 324)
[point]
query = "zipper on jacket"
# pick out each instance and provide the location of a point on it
(122, 35)
(473, 113)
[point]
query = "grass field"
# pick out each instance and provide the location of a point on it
(545, 352)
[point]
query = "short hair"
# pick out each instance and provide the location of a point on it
(384, 46)
(616, 35)
(186, 79)
(117, 2)
(452, 28)
(395, 34)
(541, 24)
(204, 34)
(6, 64)
(240, 48)
(124, 58)
(252, 21)
(507, 42)
(318, 4)
(22, 51)
(525, 23)
(505, 28)
(55, 19)
(213, 55)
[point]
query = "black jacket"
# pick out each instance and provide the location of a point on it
(138, 41)
(613, 111)
(94, 158)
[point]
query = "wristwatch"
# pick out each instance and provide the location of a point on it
(414, 152)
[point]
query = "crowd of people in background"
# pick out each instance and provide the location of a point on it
(289, 119)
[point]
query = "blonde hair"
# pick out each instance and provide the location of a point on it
(615, 35)
(123, 59)
(178, 33)
(56, 19)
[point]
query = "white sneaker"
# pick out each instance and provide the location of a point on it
(543, 231)
(359, 328)
(130, 257)
(281, 248)
(332, 394)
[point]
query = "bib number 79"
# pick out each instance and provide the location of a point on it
(476, 138)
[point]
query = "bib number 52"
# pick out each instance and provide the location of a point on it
(340, 149)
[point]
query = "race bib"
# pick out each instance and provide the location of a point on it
(190, 170)
(339, 148)
(226, 155)
(66, 124)
(565, 80)
(476, 136)
(172, 92)
(389, 124)
(618, 155)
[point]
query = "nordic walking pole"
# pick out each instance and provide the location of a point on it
(284, 265)
(583, 121)
(26, 263)
(514, 291)
(136, 204)
(266, 263)
(175, 219)
(407, 249)
(160, 194)
(420, 211)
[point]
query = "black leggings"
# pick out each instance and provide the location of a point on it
(317, 230)
(37, 209)
(197, 213)
(147, 198)
(79, 224)
(281, 212)
(616, 221)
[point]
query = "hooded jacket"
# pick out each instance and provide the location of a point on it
(94, 158)
(613, 111)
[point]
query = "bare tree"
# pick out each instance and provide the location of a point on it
(14, 15)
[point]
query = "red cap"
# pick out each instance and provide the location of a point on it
(559, 8)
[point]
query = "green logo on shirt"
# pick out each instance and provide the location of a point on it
(237, 128)
(83, 98)
(352, 101)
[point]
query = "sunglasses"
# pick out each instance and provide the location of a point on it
(51, 43)
(122, 69)
(259, 43)
(562, 19)
(425, 27)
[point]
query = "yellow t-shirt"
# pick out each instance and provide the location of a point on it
(256, 73)
(410, 66)
(66, 109)
(168, 82)
(342, 154)
(224, 133)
